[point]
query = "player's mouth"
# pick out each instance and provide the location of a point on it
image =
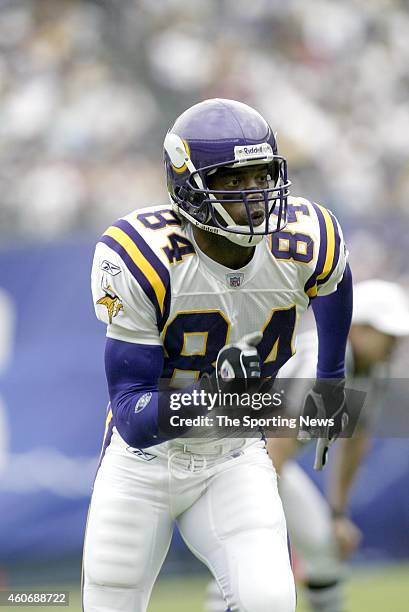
(257, 216)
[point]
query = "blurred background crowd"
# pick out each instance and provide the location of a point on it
(89, 87)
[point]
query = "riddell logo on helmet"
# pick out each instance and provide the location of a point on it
(253, 150)
(263, 150)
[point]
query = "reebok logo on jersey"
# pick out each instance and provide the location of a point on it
(109, 267)
(143, 401)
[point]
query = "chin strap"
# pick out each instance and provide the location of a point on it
(240, 239)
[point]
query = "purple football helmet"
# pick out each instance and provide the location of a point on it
(224, 133)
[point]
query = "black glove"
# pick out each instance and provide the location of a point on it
(326, 400)
(237, 367)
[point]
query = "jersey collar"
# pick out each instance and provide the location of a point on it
(232, 279)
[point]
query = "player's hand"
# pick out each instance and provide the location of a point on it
(325, 401)
(347, 536)
(239, 361)
(238, 366)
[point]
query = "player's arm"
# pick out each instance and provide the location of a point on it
(333, 314)
(141, 412)
(330, 288)
(327, 399)
(347, 459)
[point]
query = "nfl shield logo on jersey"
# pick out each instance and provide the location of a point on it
(235, 280)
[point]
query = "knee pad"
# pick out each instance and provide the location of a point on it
(325, 596)
(118, 542)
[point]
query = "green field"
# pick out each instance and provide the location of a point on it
(375, 590)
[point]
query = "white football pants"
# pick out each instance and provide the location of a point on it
(309, 524)
(227, 509)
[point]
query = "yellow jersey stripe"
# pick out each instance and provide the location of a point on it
(107, 422)
(141, 262)
(312, 292)
(330, 254)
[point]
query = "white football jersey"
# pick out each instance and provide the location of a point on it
(152, 285)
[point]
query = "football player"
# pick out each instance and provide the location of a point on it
(201, 292)
(320, 531)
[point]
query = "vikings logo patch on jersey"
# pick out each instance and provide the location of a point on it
(111, 301)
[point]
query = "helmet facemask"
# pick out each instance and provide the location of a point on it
(207, 207)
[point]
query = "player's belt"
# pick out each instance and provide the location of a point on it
(215, 449)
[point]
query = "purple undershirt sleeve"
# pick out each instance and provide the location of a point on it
(140, 411)
(333, 315)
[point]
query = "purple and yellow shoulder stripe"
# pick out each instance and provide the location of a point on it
(144, 265)
(329, 249)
